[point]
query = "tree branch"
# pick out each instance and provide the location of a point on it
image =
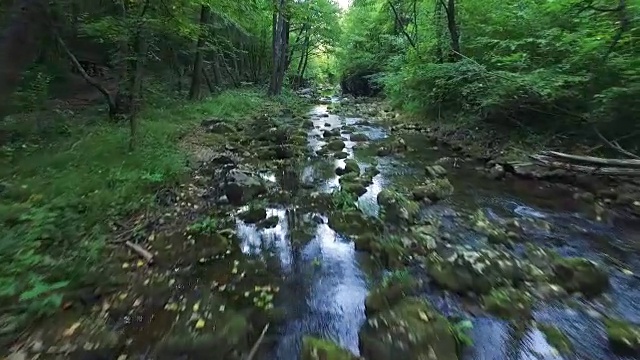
(404, 31)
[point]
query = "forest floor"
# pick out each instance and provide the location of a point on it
(73, 196)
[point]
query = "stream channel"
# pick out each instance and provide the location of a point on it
(327, 280)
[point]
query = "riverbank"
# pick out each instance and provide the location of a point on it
(73, 202)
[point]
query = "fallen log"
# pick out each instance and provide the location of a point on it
(593, 160)
(592, 170)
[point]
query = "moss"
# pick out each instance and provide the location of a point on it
(580, 275)
(495, 233)
(389, 293)
(319, 349)
(508, 303)
(335, 145)
(623, 336)
(396, 208)
(434, 190)
(412, 329)
(556, 338)
(350, 166)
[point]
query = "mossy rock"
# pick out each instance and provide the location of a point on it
(350, 166)
(331, 133)
(319, 349)
(335, 145)
(412, 329)
(508, 303)
(556, 338)
(396, 208)
(624, 337)
(462, 270)
(353, 222)
(354, 188)
(253, 215)
(434, 190)
(389, 294)
(580, 275)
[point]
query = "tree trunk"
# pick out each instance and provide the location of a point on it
(453, 30)
(210, 83)
(279, 50)
(19, 45)
(196, 80)
(135, 91)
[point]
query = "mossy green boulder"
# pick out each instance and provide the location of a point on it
(412, 329)
(319, 349)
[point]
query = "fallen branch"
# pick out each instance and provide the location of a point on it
(593, 160)
(616, 146)
(140, 251)
(254, 349)
(593, 170)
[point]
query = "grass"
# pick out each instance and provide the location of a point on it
(64, 180)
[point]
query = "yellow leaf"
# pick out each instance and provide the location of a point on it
(140, 263)
(125, 265)
(627, 272)
(200, 324)
(196, 306)
(71, 329)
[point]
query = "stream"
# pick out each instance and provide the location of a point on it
(326, 280)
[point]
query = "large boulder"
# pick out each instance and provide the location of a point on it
(412, 329)
(242, 186)
(396, 209)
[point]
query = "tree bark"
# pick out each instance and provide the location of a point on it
(279, 49)
(196, 80)
(19, 45)
(453, 29)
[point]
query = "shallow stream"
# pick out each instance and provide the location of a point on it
(326, 281)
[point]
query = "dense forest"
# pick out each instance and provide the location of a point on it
(132, 132)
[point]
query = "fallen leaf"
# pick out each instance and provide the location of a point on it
(627, 272)
(71, 329)
(200, 324)
(125, 265)
(196, 306)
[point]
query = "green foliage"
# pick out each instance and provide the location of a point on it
(460, 330)
(344, 200)
(553, 66)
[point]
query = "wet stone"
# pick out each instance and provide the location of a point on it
(556, 338)
(359, 137)
(508, 303)
(335, 145)
(253, 215)
(412, 329)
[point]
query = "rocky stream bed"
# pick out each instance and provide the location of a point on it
(330, 237)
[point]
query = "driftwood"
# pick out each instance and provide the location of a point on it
(140, 251)
(592, 160)
(593, 170)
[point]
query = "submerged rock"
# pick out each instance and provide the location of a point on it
(412, 329)
(623, 336)
(319, 349)
(396, 146)
(353, 222)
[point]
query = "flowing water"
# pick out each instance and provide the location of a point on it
(326, 281)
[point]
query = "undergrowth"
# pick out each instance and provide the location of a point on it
(65, 178)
